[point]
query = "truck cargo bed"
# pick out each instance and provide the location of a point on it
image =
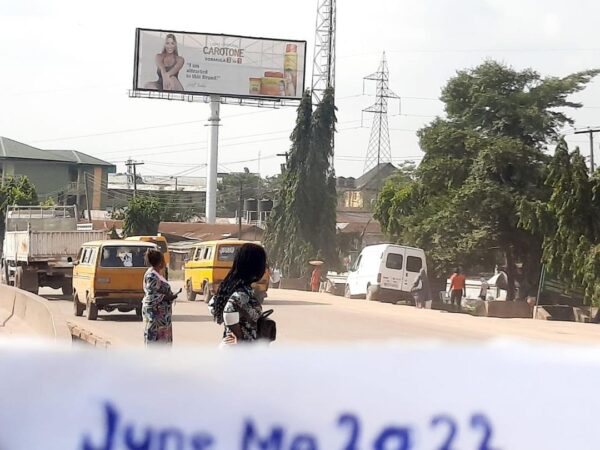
(31, 246)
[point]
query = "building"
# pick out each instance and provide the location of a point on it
(58, 174)
(185, 193)
(359, 194)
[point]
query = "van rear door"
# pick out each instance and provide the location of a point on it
(413, 265)
(392, 268)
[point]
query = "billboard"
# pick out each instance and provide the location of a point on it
(218, 64)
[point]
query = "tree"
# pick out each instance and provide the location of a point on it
(142, 216)
(15, 191)
(569, 222)
(228, 189)
(302, 224)
(482, 162)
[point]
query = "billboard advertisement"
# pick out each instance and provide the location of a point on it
(217, 64)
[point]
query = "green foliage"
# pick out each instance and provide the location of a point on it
(113, 233)
(48, 202)
(15, 191)
(302, 225)
(569, 222)
(142, 216)
(483, 172)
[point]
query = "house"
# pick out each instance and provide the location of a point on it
(359, 194)
(62, 175)
(179, 191)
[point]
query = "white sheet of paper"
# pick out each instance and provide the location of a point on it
(350, 397)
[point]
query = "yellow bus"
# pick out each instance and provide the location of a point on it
(208, 264)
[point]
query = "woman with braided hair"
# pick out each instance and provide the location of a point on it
(235, 304)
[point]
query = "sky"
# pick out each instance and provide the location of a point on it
(67, 66)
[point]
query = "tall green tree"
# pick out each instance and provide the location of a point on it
(569, 222)
(302, 224)
(482, 161)
(142, 216)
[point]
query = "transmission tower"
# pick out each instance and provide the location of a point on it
(323, 75)
(379, 150)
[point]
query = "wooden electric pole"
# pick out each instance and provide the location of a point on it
(130, 163)
(591, 132)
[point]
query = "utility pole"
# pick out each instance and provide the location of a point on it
(87, 196)
(287, 156)
(130, 163)
(591, 132)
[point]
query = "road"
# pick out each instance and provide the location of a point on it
(310, 317)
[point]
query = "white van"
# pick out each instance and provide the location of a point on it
(385, 272)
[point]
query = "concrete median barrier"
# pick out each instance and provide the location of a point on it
(565, 313)
(508, 310)
(31, 314)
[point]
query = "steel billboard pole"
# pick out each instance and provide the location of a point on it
(212, 159)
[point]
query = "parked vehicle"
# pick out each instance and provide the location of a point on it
(39, 246)
(385, 272)
(161, 243)
(209, 263)
(109, 275)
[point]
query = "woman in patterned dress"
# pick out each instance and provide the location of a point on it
(235, 305)
(157, 302)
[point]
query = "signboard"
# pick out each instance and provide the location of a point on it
(368, 396)
(218, 64)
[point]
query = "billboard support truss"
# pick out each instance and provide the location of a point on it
(176, 96)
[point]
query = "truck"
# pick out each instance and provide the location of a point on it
(40, 244)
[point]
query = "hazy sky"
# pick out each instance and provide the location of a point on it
(67, 66)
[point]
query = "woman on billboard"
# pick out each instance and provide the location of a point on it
(168, 64)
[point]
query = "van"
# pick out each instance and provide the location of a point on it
(161, 243)
(109, 275)
(385, 272)
(209, 263)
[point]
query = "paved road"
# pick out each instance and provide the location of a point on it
(309, 317)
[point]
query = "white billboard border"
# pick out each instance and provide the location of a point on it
(205, 96)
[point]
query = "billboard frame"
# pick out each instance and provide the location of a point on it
(209, 94)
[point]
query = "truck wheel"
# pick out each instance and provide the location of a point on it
(77, 306)
(19, 277)
(91, 312)
(138, 313)
(189, 291)
(371, 294)
(206, 294)
(67, 286)
(5, 278)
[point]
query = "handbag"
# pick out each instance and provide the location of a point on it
(266, 328)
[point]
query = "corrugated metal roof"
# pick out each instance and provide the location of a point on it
(17, 150)
(80, 158)
(11, 149)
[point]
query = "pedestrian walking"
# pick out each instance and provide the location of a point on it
(484, 289)
(235, 304)
(275, 277)
(457, 288)
(158, 300)
(420, 289)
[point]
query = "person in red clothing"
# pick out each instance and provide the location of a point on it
(315, 279)
(457, 288)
